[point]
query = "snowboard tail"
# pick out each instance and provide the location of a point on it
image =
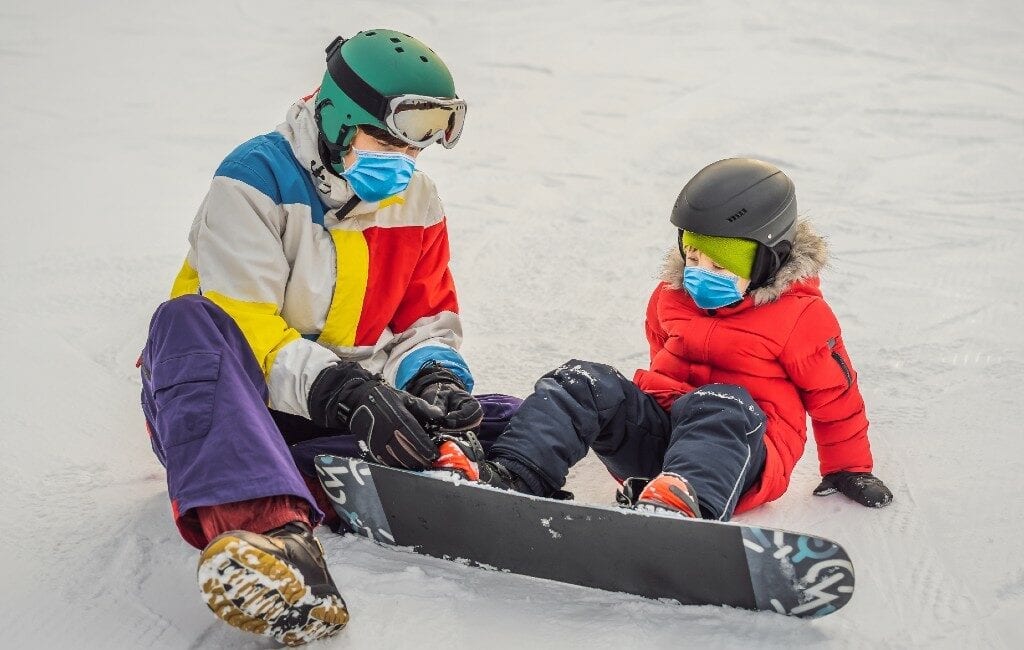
(692, 561)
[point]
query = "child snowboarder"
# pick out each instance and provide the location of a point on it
(743, 347)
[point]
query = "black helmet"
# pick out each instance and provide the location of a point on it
(744, 198)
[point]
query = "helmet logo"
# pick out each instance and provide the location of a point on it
(737, 215)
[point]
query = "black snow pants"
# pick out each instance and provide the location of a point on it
(713, 436)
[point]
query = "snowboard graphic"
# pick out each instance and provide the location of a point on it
(694, 562)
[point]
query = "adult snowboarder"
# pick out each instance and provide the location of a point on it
(317, 284)
(743, 347)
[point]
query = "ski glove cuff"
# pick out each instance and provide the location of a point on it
(863, 487)
(439, 387)
(385, 419)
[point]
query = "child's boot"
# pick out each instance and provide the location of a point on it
(464, 456)
(495, 474)
(461, 456)
(671, 493)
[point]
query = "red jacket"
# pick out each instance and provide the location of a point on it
(783, 344)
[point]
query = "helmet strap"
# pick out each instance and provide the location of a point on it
(767, 262)
(332, 152)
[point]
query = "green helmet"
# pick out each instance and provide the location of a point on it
(371, 64)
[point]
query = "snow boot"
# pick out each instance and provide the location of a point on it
(275, 584)
(495, 474)
(464, 455)
(461, 456)
(669, 493)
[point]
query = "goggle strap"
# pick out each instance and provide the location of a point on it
(355, 86)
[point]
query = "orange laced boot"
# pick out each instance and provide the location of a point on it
(458, 456)
(671, 493)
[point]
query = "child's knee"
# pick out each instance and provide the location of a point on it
(729, 399)
(591, 383)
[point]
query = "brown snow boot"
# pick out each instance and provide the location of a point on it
(276, 584)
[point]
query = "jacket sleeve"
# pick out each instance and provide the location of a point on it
(426, 323)
(816, 360)
(239, 264)
(662, 385)
(656, 335)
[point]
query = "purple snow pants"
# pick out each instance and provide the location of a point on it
(205, 401)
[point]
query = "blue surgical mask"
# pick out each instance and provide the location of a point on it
(710, 290)
(376, 175)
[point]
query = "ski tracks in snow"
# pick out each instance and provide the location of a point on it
(907, 565)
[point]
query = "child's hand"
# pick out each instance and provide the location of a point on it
(863, 487)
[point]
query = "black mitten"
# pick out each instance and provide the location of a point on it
(863, 487)
(346, 395)
(439, 386)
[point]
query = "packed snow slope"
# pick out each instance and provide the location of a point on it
(902, 125)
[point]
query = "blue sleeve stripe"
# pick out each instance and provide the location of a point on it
(266, 164)
(440, 354)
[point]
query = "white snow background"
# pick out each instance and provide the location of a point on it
(901, 123)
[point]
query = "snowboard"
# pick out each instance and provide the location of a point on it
(661, 556)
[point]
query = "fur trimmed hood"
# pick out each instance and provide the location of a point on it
(808, 258)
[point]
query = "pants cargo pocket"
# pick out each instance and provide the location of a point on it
(183, 394)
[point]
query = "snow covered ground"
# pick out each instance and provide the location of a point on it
(902, 125)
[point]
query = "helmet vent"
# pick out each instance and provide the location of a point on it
(371, 33)
(395, 39)
(424, 59)
(398, 49)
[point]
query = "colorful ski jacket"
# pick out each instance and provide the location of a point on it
(783, 344)
(307, 288)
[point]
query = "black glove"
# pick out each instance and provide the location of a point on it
(863, 487)
(386, 419)
(439, 386)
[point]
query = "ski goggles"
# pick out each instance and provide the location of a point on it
(417, 120)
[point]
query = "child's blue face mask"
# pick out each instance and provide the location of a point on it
(377, 175)
(710, 290)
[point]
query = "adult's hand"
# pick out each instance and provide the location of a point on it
(386, 420)
(439, 387)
